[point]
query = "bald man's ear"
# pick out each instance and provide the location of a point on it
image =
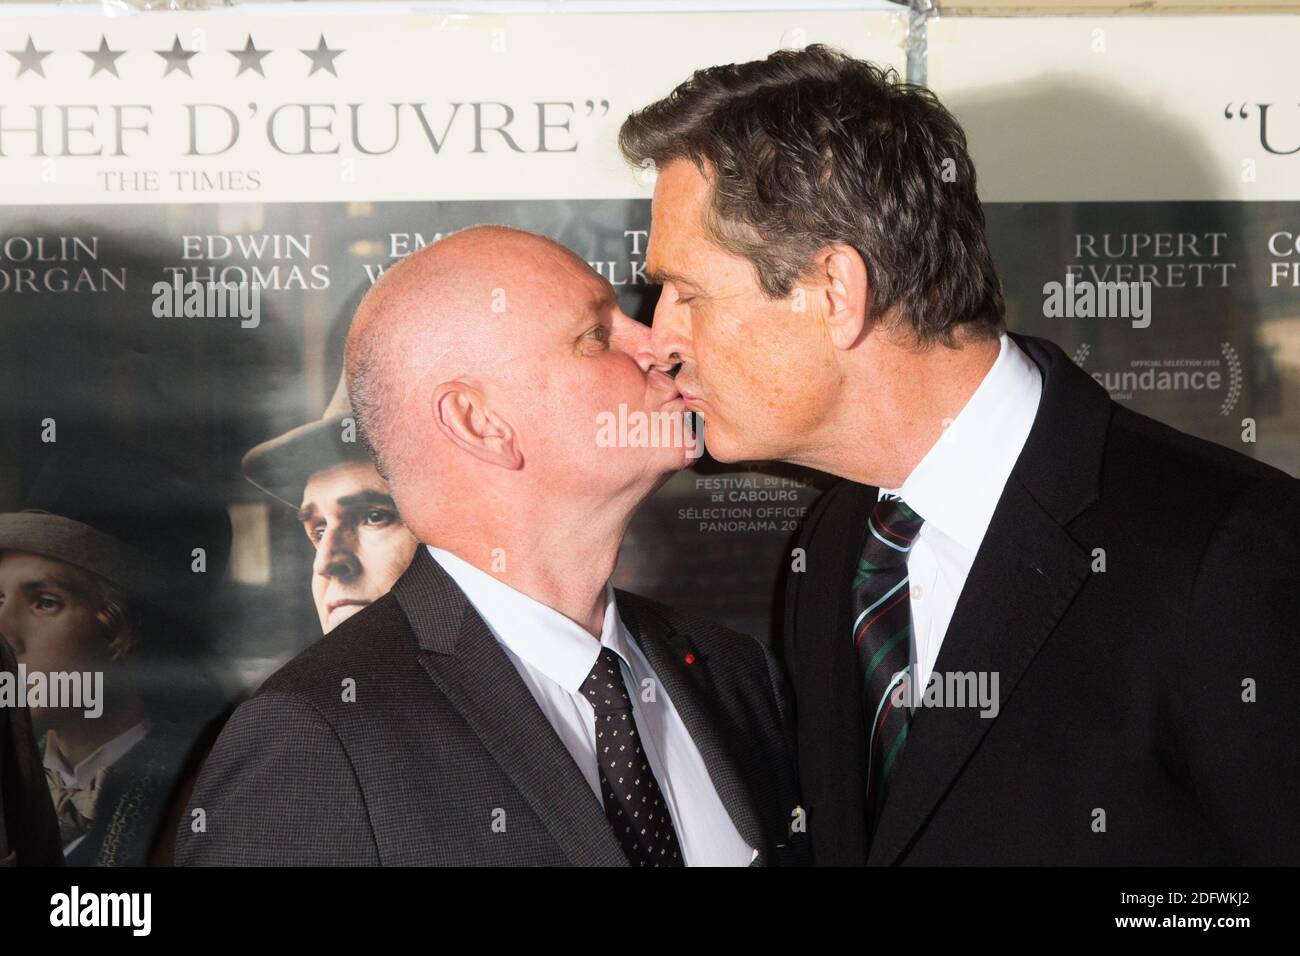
(843, 277)
(463, 416)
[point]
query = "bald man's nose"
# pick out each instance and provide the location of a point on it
(634, 338)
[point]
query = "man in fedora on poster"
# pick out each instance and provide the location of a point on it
(108, 572)
(323, 471)
(503, 704)
(1126, 594)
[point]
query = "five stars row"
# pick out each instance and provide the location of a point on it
(177, 58)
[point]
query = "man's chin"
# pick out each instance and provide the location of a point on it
(720, 446)
(680, 460)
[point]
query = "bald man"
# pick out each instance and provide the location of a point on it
(503, 704)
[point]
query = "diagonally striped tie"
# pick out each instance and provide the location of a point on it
(882, 637)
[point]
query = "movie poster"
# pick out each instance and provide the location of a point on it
(296, 153)
(1158, 151)
(1143, 209)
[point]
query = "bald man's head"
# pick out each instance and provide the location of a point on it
(431, 311)
(494, 351)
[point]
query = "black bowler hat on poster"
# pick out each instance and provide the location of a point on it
(283, 465)
(127, 517)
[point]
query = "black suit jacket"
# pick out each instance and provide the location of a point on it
(1120, 691)
(444, 757)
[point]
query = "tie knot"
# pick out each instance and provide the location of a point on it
(894, 524)
(604, 686)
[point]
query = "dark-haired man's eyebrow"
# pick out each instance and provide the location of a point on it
(663, 277)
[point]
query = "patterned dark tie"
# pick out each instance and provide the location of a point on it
(634, 804)
(882, 637)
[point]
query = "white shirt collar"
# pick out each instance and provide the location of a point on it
(80, 777)
(540, 635)
(956, 486)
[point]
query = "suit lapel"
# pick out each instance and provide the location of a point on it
(1023, 579)
(665, 651)
(837, 796)
(1025, 576)
(464, 660)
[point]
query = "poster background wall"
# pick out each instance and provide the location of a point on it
(304, 148)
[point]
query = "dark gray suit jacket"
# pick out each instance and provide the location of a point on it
(444, 744)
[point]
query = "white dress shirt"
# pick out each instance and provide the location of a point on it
(956, 488)
(554, 655)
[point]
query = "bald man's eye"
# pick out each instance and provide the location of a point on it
(601, 334)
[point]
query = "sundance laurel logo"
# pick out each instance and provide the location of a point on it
(1220, 376)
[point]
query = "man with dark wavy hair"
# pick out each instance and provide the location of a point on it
(1116, 599)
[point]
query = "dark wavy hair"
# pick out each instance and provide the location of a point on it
(810, 147)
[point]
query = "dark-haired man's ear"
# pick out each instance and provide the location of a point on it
(843, 283)
(464, 417)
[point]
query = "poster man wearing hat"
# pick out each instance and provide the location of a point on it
(110, 568)
(324, 472)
